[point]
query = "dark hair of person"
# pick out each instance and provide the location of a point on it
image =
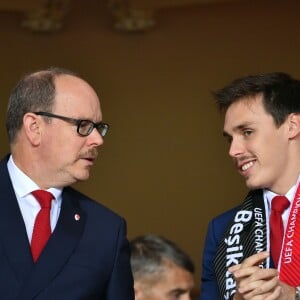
(280, 92)
(34, 92)
(150, 252)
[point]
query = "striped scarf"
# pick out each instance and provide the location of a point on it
(245, 236)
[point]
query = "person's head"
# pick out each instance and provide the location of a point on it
(161, 270)
(262, 125)
(54, 127)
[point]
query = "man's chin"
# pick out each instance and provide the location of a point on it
(252, 185)
(82, 176)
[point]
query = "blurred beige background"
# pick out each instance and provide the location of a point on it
(164, 165)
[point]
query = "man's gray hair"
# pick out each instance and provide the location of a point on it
(149, 253)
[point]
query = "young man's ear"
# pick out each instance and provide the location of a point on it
(32, 128)
(294, 125)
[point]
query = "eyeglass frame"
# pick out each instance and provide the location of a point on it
(104, 127)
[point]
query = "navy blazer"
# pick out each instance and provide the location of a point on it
(215, 232)
(84, 259)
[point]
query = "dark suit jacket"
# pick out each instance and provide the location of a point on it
(84, 259)
(215, 233)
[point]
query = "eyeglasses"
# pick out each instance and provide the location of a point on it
(84, 127)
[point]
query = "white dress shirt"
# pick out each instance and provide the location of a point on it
(268, 196)
(290, 195)
(29, 206)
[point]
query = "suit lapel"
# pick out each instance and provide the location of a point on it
(13, 234)
(59, 248)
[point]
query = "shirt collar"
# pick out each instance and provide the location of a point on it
(269, 195)
(23, 185)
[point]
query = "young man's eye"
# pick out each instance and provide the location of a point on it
(228, 138)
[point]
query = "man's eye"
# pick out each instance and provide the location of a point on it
(247, 132)
(177, 295)
(228, 139)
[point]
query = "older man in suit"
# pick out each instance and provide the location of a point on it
(73, 247)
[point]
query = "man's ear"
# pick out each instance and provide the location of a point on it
(138, 292)
(294, 125)
(32, 127)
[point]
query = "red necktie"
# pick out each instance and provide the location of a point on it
(278, 206)
(41, 230)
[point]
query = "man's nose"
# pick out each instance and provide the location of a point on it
(236, 148)
(96, 138)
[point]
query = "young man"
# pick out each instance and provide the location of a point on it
(57, 243)
(160, 269)
(241, 259)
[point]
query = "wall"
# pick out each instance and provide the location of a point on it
(164, 165)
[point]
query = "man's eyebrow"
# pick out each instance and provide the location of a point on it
(237, 128)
